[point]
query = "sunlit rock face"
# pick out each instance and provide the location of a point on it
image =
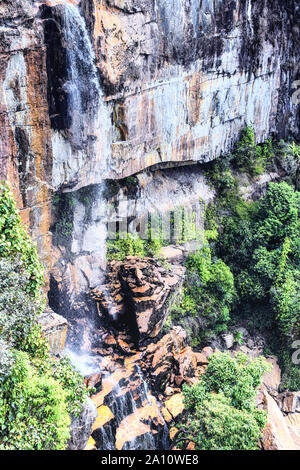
(183, 77)
(25, 143)
(135, 84)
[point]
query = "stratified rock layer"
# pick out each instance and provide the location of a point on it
(178, 82)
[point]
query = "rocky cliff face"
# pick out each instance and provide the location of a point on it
(95, 91)
(174, 83)
(183, 77)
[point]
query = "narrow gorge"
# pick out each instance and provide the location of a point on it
(152, 149)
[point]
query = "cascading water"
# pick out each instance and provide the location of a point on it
(82, 85)
(131, 427)
(88, 124)
(82, 143)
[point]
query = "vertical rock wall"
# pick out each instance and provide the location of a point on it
(25, 146)
(178, 80)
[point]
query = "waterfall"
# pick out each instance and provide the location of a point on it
(82, 86)
(81, 152)
(88, 130)
(127, 407)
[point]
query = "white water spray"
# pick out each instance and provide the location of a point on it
(85, 154)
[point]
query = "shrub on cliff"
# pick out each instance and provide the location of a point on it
(14, 240)
(221, 412)
(18, 308)
(261, 244)
(37, 393)
(250, 157)
(128, 244)
(207, 294)
(33, 408)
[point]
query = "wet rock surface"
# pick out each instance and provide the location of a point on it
(139, 293)
(54, 328)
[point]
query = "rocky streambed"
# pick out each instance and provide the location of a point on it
(137, 367)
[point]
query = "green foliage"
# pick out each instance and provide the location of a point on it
(277, 216)
(216, 425)
(208, 292)
(249, 157)
(71, 381)
(260, 243)
(37, 393)
(290, 378)
(262, 253)
(287, 155)
(239, 338)
(126, 245)
(221, 409)
(237, 378)
(33, 409)
(179, 228)
(246, 157)
(18, 308)
(6, 359)
(14, 240)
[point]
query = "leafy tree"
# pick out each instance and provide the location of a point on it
(208, 292)
(221, 412)
(14, 240)
(37, 393)
(261, 246)
(18, 308)
(250, 157)
(33, 408)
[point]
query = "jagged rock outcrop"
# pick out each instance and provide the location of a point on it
(139, 293)
(170, 362)
(178, 82)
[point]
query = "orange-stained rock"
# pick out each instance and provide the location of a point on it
(277, 435)
(207, 351)
(175, 405)
(146, 285)
(25, 149)
(104, 416)
(187, 362)
(94, 379)
(166, 414)
(272, 379)
(173, 431)
(201, 358)
(91, 444)
(110, 340)
(191, 446)
(138, 423)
